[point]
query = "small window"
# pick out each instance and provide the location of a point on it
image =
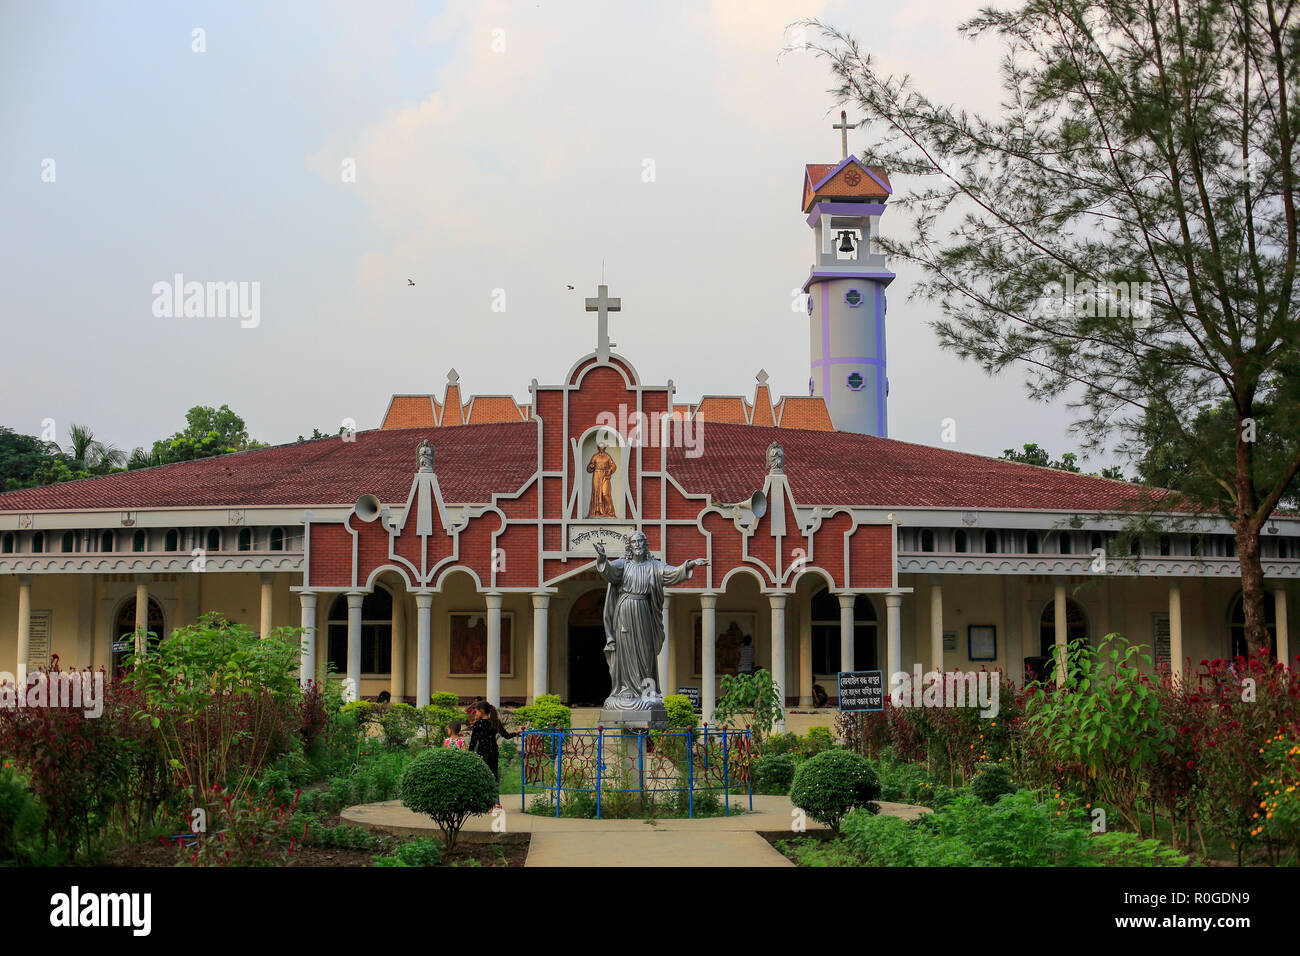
(173, 541)
(246, 539)
(1065, 542)
(38, 543)
(1031, 542)
(990, 542)
(140, 541)
(277, 539)
(853, 298)
(1135, 547)
(1166, 546)
(8, 546)
(69, 542)
(1096, 541)
(927, 540)
(106, 542)
(1194, 545)
(1229, 545)
(214, 539)
(959, 542)
(855, 381)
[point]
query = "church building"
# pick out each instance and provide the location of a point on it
(452, 548)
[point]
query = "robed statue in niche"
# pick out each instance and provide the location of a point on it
(634, 629)
(601, 468)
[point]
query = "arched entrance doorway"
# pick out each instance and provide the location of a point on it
(376, 634)
(1237, 626)
(1076, 628)
(589, 682)
(124, 631)
(825, 615)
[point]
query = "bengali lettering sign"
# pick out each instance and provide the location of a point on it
(692, 694)
(38, 648)
(584, 538)
(861, 690)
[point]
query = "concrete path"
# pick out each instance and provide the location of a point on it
(709, 841)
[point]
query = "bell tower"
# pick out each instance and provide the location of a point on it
(846, 290)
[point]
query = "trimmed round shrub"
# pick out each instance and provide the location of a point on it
(818, 739)
(450, 785)
(680, 712)
(773, 774)
(830, 784)
(545, 711)
(992, 780)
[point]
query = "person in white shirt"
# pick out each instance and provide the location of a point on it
(746, 663)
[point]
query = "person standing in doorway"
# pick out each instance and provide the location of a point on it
(745, 664)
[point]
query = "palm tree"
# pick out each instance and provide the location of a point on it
(90, 454)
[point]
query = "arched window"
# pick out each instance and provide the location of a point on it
(8, 545)
(1229, 545)
(1095, 541)
(1076, 628)
(1237, 626)
(38, 543)
(825, 614)
(959, 542)
(173, 541)
(245, 539)
(927, 540)
(1135, 547)
(214, 539)
(1065, 542)
(1031, 542)
(69, 543)
(277, 539)
(376, 633)
(124, 631)
(1166, 546)
(991, 542)
(1194, 545)
(106, 542)
(140, 541)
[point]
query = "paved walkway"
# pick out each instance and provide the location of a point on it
(709, 841)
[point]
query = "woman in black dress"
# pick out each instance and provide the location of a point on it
(483, 736)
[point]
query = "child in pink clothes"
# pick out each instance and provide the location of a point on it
(454, 739)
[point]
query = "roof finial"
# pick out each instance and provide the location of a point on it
(844, 126)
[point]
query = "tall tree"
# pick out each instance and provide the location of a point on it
(208, 432)
(1125, 230)
(89, 454)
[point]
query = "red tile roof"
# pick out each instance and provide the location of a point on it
(473, 461)
(411, 411)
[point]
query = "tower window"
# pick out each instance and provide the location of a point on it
(853, 298)
(809, 297)
(856, 381)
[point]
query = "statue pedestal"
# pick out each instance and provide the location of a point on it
(636, 713)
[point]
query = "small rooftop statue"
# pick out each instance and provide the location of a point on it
(424, 455)
(775, 459)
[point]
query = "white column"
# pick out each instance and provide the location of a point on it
(397, 648)
(423, 647)
(708, 654)
(541, 654)
(665, 687)
(936, 624)
(893, 635)
(778, 653)
(847, 631)
(1175, 629)
(1279, 605)
(141, 616)
(267, 581)
(805, 654)
(355, 599)
(1059, 632)
(493, 693)
(24, 629)
(307, 662)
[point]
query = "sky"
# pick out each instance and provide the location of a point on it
(325, 154)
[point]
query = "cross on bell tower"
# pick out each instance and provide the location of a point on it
(602, 305)
(844, 126)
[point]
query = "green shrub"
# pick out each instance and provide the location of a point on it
(546, 711)
(444, 698)
(787, 743)
(19, 816)
(992, 780)
(680, 712)
(817, 740)
(832, 783)
(773, 774)
(448, 785)
(401, 723)
(752, 698)
(423, 851)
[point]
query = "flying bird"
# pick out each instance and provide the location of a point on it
(570, 288)
(410, 282)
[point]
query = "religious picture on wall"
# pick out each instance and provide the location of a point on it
(982, 642)
(732, 629)
(469, 644)
(601, 468)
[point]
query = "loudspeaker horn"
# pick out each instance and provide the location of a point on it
(367, 508)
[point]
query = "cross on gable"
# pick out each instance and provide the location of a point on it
(602, 304)
(844, 126)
